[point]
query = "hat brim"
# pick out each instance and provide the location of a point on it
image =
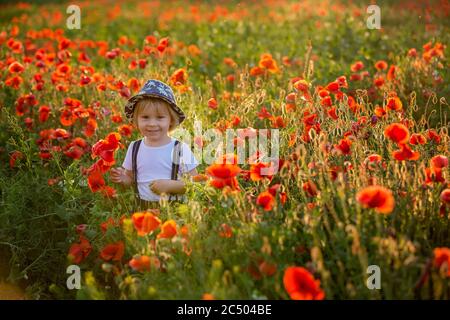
(131, 104)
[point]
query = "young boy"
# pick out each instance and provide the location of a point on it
(154, 112)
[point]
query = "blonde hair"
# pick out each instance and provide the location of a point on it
(159, 104)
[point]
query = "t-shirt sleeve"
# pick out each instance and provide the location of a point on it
(127, 162)
(188, 160)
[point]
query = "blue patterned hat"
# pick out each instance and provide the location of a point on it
(154, 89)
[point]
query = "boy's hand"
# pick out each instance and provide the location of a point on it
(119, 175)
(161, 186)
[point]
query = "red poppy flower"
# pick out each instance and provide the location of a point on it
(394, 103)
(264, 114)
(445, 196)
(260, 171)
(266, 200)
(405, 153)
(15, 67)
(168, 230)
(225, 231)
(104, 226)
(310, 188)
(268, 63)
(212, 103)
(397, 132)
(79, 251)
(14, 82)
(113, 251)
(344, 146)
(439, 162)
(145, 222)
(105, 148)
(377, 197)
(442, 257)
(179, 77)
(357, 66)
(266, 268)
(96, 181)
(417, 138)
(301, 285)
(140, 263)
(381, 65)
(432, 135)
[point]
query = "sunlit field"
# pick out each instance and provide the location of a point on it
(356, 204)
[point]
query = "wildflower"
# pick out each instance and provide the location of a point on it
(225, 231)
(113, 251)
(140, 263)
(15, 67)
(266, 200)
(105, 148)
(442, 258)
(79, 251)
(397, 132)
(377, 197)
(405, 153)
(145, 222)
(301, 285)
(168, 229)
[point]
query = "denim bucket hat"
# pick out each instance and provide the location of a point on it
(154, 89)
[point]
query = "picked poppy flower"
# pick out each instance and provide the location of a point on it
(145, 222)
(266, 200)
(301, 285)
(79, 251)
(113, 251)
(397, 132)
(168, 230)
(378, 198)
(442, 257)
(105, 148)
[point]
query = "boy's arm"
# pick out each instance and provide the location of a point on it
(171, 186)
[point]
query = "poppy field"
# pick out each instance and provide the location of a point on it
(355, 206)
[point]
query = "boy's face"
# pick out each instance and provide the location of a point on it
(153, 123)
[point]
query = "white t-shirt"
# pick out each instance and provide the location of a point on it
(155, 163)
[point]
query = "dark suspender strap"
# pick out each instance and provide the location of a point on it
(136, 145)
(176, 162)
